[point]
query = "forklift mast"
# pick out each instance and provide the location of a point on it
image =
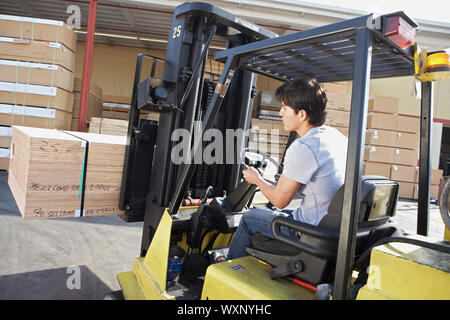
(151, 181)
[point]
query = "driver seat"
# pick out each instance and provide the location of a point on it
(312, 257)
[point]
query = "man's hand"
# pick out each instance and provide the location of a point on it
(251, 175)
(280, 195)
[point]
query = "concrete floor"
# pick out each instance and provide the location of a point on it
(41, 259)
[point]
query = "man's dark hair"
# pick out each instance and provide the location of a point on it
(305, 94)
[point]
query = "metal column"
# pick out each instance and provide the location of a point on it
(87, 67)
(207, 123)
(355, 153)
(426, 120)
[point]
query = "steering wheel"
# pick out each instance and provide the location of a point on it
(262, 158)
(444, 203)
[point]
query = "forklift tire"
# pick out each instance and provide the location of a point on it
(114, 295)
(443, 203)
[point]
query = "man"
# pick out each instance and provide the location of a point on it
(314, 165)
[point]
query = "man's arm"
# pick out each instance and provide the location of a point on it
(280, 195)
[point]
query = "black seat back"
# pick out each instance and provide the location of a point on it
(317, 246)
(378, 200)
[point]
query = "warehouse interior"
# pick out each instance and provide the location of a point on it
(92, 85)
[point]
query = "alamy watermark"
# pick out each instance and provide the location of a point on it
(74, 19)
(213, 146)
(74, 280)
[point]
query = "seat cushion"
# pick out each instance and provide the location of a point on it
(263, 243)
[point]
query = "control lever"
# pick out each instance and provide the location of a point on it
(207, 193)
(195, 227)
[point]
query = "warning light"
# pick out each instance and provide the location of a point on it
(399, 31)
(438, 61)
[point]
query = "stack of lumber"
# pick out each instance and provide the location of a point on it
(115, 116)
(115, 127)
(37, 58)
(116, 107)
(55, 173)
(95, 103)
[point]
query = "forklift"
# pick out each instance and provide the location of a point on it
(191, 209)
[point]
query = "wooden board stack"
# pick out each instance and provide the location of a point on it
(115, 127)
(37, 58)
(55, 173)
(116, 107)
(95, 103)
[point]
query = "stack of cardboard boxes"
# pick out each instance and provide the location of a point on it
(392, 139)
(37, 59)
(338, 105)
(267, 133)
(392, 144)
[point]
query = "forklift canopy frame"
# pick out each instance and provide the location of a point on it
(352, 50)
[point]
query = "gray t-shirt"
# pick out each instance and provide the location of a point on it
(317, 160)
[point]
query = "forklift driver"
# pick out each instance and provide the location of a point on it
(314, 165)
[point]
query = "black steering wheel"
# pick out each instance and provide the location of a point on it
(262, 157)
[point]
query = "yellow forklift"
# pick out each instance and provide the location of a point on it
(191, 209)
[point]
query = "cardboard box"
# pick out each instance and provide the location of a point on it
(37, 29)
(406, 190)
(262, 136)
(34, 117)
(376, 169)
(259, 124)
(379, 137)
(342, 130)
(5, 141)
(338, 118)
(272, 126)
(404, 173)
(408, 124)
(383, 104)
(36, 96)
(338, 101)
(436, 175)
(94, 109)
(336, 87)
(377, 120)
(278, 128)
(115, 115)
(4, 163)
(406, 157)
(270, 148)
(5, 137)
(434, 192)
(407, 140)
(379, 154)
(267, 98)
(94, 90)
(46, 169)
(116, 99)
(36, 73)
(37, 51)
(108, 126)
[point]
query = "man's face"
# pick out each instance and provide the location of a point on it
(291, 119)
